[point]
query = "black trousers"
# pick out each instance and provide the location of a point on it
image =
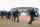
(2, 16)
(8, 17)
(17, 18)
(32, 19)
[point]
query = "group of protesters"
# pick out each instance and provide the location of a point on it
(16, 14)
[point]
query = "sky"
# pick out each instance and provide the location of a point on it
(9, 4)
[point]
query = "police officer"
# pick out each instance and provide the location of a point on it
(16, 14)
(2, 14)
(8, 15)
(13, 14)
(32, 12)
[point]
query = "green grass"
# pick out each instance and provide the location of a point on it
(22, 23)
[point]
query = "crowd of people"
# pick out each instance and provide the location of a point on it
(16, 14)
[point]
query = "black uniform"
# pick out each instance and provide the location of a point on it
(32, 16)
(8, 15)
(16, 14)
(13, 15)
(2, 14)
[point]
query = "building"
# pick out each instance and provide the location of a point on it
(24, 9)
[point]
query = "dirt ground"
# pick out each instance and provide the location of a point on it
(22, 17)
(23, 22)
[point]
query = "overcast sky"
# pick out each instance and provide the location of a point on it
(8, 4)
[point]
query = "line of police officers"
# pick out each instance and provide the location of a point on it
(16, 14)
(9, 14)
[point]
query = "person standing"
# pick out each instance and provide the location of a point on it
(8, 15)
(16, 14)
(2, 14)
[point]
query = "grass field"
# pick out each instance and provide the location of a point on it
(23, 23)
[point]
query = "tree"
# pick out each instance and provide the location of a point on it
(23, 11)
(28, 10)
